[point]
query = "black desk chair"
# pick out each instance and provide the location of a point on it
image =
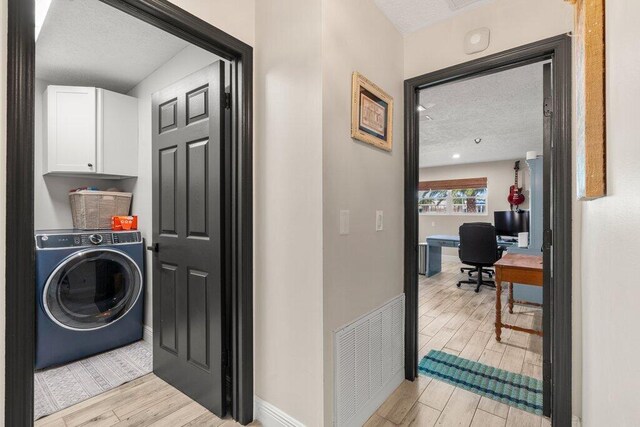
(479, 249)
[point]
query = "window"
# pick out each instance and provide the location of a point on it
(453, 197)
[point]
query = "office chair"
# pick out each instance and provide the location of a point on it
(479, 249)
(471, 270)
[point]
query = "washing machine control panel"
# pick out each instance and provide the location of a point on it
(78, 239)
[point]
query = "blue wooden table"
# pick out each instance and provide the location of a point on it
(433, 254)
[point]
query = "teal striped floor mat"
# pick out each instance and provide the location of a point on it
(516, 390)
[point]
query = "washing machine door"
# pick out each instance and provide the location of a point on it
(92, 289)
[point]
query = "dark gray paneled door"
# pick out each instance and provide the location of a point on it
(188, 309)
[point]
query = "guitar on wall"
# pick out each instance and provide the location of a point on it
(515, 197)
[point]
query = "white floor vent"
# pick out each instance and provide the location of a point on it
(369, 362)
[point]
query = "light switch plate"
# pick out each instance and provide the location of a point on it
(379, 221)
(344, 222)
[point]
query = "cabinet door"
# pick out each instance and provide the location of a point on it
(117, 134)
(70, 144)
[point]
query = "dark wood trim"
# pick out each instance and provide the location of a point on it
(452, 184)
(558, 309)
(20, 337)
(411, 178)
(20, 257)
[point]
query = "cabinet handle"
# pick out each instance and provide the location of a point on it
(90, 165)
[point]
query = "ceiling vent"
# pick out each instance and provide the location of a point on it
(459, 4)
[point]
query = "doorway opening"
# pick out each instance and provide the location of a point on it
(87, 128)
(471, 227)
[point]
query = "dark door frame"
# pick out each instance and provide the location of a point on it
(20, 257)
(557, 302)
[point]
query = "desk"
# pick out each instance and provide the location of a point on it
(522, 269)
(433, 255)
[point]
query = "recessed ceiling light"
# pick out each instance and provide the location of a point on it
(421, 108)
(478, 140)
(455, 156)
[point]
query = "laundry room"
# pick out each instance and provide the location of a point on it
(108, 191)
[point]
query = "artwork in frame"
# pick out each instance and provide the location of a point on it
(371, 113)
(591, 168)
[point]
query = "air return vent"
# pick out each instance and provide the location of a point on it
(459, 4)
(369, 362)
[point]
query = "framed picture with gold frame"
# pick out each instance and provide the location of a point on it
(590, 86)
(371, 113)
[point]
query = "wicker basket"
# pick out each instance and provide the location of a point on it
(94, 209)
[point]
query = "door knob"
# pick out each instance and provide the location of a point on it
(154, 248)
(90, 165)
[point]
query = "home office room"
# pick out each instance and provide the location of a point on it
(480, 226)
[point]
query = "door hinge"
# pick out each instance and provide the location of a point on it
(227, 100)
(547, 240)
(548, 107)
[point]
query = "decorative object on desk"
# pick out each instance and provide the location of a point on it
(515, 197)
(513, 389)
(371, 113)
(590, 47)
(523, 240)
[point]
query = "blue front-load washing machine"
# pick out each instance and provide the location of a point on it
(89, 293)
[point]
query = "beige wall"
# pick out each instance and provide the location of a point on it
(512, 23)
(610, 232)
(499, 176)
(288, 208)
(236, 17)
(364, 269)
(3, 185)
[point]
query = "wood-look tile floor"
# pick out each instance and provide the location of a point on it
(461, 322)
(146, 401)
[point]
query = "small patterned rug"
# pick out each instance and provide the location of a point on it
(517, 390)
(63, 386)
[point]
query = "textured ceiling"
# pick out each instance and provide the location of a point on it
(504, 109)
(411, 15)
(87, 43)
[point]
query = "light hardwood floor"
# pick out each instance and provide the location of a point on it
(146, 401)
(455, 320)
(461, 322)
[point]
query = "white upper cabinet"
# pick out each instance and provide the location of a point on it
(90, 131)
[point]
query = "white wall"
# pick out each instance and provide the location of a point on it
(51, 193)
(499, 176)
(610, 232)
(288, 208)
(187, 61)
(512, 23)
(364, 269)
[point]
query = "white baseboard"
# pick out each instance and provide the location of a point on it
(576, 421)
(147, 334)
(270, 416)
